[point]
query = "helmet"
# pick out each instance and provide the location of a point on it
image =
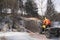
(45, 18)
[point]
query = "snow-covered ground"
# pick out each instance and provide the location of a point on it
(23, 36)
(16, 36)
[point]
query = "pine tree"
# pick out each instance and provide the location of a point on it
(1, 5)
(50, 9)
(31, 8)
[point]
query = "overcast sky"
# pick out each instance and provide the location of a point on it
(56, 4)
(38, 2)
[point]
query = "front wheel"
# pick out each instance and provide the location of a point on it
(48, 35)
(41, 31)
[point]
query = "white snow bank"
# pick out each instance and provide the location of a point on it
(12, 33)
(17, 36)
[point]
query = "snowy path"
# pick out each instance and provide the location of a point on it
(23, 36)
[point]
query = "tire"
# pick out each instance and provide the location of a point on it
(47, 34)
(41, 30)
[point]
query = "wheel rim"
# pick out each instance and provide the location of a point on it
(47, 34)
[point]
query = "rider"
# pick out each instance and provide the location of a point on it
(47, 22)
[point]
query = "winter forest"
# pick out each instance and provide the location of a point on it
(14, 13)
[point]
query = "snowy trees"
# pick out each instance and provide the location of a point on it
(50, 12)
(31, 8)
